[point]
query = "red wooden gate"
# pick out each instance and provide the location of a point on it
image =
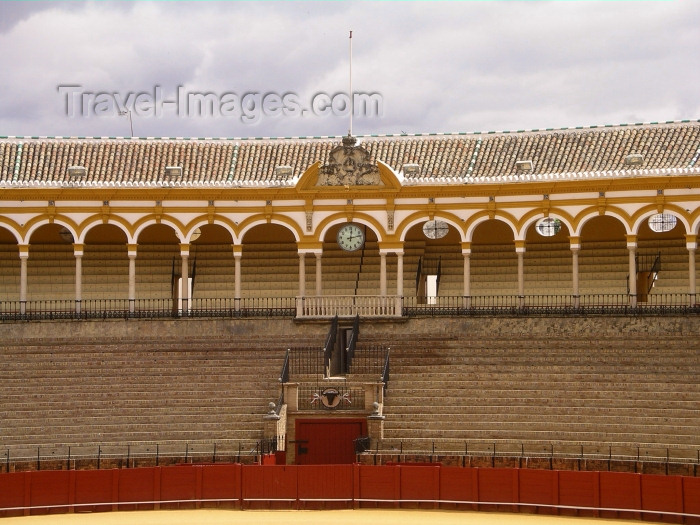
(327, 441)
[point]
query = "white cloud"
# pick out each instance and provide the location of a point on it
(439, 66)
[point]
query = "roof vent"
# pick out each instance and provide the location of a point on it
(634, 159)
(173, 171)
(77, 171)
(411, 169)
(284, 171)
(523, 166)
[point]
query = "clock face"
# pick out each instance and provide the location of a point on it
(435, 229)
(351, 237)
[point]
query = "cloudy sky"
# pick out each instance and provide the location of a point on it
(251, 69)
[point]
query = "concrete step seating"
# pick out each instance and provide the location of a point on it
(631, 390)
(73, 392)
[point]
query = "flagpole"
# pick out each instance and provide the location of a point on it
(352, 99)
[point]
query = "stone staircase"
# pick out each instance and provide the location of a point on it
(171, 390)
(631, 391)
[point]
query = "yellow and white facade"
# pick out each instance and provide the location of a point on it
(130, 225)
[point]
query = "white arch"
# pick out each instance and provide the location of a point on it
(38, 225)
(470, 231)
(594, 214)
(98, 221)
(18, 236)
(166, 221)
(343, 220)
(457, 226)
(262, 221)
(535, 218)
(645, 217)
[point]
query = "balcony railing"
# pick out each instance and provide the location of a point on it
(350, 306)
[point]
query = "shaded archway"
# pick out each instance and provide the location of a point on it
(51, 267)
(10, 264)
(158, 267)
(350, 273)
(604, 258)
(270, 263)
(494, 262)
(105, 267)
(433, 262)
(212, 265)
(548, 260)
(662, 256)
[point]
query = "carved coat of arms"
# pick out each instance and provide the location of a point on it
(349, 165)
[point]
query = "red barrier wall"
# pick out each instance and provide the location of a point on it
(348, 486)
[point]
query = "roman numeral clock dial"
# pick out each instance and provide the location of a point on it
(351, 237)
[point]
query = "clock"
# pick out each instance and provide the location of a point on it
(435, 229)
(351, 237)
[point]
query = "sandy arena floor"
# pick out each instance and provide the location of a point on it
(300, 517)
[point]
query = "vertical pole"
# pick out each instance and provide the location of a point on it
(691, 275)
(319, 275)
(78, 277)
(575, 276)
(237, 280)
(632, 247)
(23, 255)
(352, 99)
(132, 278)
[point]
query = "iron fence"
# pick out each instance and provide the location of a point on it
(646, 452)
(129, 455)
(271, 307)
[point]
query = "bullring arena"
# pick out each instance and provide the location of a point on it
(476, 322)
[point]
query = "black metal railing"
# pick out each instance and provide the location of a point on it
(385, 371)
(329, 345)
(498, 448)
(368, 360)
(352, 343)
(306, 361)
(272, 307)
(284, 374)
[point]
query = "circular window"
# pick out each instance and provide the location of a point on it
(435, 229)
(548, 227)
(662, 222)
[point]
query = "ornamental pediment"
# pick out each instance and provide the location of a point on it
(349, 165)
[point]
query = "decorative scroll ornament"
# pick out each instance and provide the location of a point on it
(349, 165)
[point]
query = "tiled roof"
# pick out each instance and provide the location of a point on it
(459, 157)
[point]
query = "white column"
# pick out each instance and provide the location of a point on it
(692, 247)
(467, 256)
(23, 256)
(399, 284)
(319, 274)
(382, 274)
(78, 253)
(632, 247)
(237, 280)
(302, 275)
(131, 253)
(520, 250)
(185, 277)
(574, 276)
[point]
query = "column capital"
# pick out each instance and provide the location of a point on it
(78, 249)
(184, 249)
(23, 250)
(237, 250)
(691, 241)
(520, 245)
(132, 249)
(631, 240)
(390, 246)
(467, 247)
